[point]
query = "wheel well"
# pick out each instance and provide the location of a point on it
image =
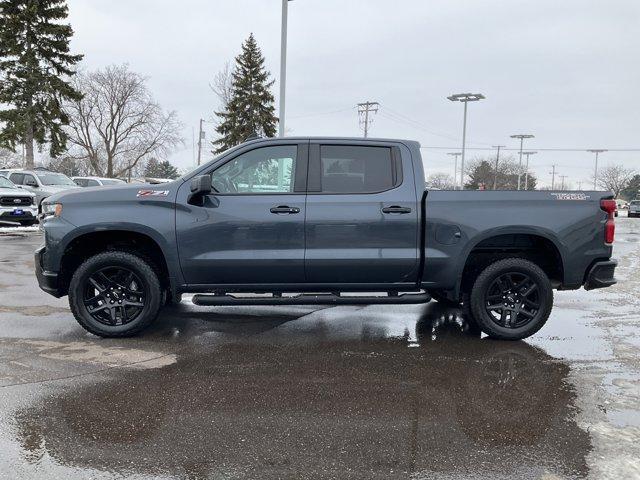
(537, 249)
(89, 244)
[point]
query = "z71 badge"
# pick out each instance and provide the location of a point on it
(152, 193)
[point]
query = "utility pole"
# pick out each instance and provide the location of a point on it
(495, 173)
(200, 135)
(283, 66)
(464, 98)
(455, 165)
(521, 137)
(363, 114)
(562, 177)
(580, 185)
(595, 173)
(526, 173)
(553, 177)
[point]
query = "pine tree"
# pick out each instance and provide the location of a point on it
(34, 61)
(251, 107)
(158, 169)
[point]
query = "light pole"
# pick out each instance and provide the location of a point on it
(521, 136)
(283, 66)
(495, 174)
(464, 98)
(595, 173)
(526, 172)
(455, 165)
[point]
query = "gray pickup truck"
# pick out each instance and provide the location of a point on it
(321, 221)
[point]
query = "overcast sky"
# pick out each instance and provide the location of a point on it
(566, 71)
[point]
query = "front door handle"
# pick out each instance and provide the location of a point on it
(396, 209)
(284, 209)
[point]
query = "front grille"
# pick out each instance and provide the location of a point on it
(11, 201)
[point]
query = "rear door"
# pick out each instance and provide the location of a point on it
(251, 229)
(362, 214)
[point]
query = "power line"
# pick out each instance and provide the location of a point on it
(364, 109)
(317, 114)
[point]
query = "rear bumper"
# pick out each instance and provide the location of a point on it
(601, 275)
(48, 281)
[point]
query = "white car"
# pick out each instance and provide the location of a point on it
(634, 208)
(42, 182)
(17, 206)
(97, 181)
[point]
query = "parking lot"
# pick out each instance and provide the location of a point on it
(344, 392)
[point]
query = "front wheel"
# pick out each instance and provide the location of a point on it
(511, 299)
(115, 294)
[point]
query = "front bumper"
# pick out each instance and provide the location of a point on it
(28, 214)
(48, 281)
(601, 275)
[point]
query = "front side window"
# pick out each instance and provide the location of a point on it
(263, 170)
(30, 180)
(356, 169)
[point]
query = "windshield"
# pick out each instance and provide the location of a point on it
(6, 183)
(635, 202)
(112, 181)
(55, 179)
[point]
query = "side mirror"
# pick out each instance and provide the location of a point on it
(31, 183)
(200, 187)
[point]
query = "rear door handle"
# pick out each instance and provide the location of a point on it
(396, 209)
(284, 209)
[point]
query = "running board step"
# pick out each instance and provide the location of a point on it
(308, 299)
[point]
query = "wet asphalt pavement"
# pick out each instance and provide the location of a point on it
(345, 392)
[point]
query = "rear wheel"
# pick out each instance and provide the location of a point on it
(511, 299)
(115, 294)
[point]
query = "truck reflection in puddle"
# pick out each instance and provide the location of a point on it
(437, 402)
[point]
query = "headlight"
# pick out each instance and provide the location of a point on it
(51, 209)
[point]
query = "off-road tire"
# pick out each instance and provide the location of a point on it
(145, 272)
(476, 297)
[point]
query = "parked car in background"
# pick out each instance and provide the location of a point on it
(17, 206)
(634, 208)
(42, 183)
(97, 181)
(4, 172)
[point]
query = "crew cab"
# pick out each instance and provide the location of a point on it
(321, 221)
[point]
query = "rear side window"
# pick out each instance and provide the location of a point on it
(357, 169)
(17, 178)
(92, 183)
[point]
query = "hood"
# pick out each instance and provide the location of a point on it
(113, 193)
(59, 188)
(16, 192)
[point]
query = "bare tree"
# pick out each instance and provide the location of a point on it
(615, 178)
(222, 84)
(441, 181)
(118, 125)
(9, 159)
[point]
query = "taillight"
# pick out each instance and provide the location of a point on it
(609, 206)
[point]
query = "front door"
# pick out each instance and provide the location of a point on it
(362, 214)
(250, 230)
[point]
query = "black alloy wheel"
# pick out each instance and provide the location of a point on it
(114, 296)
(512, 300)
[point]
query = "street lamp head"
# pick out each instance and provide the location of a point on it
(466, 97)
(529, 153)
(454, 153)
(523, 135)
(597, 150)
